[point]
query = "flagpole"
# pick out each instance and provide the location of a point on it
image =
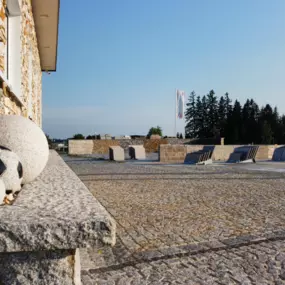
(175, 113)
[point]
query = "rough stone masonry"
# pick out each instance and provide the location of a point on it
(29, 102)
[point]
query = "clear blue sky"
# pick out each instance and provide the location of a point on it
(119, 61)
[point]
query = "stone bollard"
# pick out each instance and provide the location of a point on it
(116, 153)
(137, 152)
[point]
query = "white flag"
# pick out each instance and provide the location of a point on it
(180, 99)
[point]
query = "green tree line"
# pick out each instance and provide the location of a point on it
(210, 116)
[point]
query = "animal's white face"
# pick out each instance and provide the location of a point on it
(11, 170)
(2, 192)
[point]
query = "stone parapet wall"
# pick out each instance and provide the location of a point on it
(80, 147)
(102, 146)
(178, 141)
(265, 151)
(153, 145)
(222, 152)
(126, 143)
(177, 153)
(172, 153)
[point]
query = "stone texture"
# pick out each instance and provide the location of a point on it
(152, 145)
(79, 147)
(173, 153)
(28, 141)
(256, 264)
(176, 205)
(180, 224)
(31, 93)
(85, 147)
(3, 36)
(54, 211)
(9, 103)
(155, 137)
(116, 153)
(102, 146)
(177, 153)
(54, 267)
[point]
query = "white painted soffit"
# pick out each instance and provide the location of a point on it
(46, 17)
(13, 8)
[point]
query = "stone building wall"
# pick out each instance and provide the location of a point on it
(3, 39)
(29, 102)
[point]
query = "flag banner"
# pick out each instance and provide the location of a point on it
(180, 99)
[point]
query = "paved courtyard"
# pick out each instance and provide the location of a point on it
(215, 224)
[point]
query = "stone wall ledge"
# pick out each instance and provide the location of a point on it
(55, 212)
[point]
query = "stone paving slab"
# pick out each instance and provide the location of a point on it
(175, 209)
(258, 264)
(171, 213)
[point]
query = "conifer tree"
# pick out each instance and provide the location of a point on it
(190, 116)
(212, 118)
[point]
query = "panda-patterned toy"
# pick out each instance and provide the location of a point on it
(11, 171)
(24, 153)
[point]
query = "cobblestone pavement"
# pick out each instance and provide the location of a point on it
(187, 224)
(259, 264)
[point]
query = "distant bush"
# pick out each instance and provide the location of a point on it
(155, 131)
(78, 137)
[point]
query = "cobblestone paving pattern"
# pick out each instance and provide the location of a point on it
(259, 264)
(164, 213)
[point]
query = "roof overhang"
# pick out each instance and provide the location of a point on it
(46, 17)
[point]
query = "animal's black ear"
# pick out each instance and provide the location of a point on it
(20, 170)
(4, 148)
(2, 167)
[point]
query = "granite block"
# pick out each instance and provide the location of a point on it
(116, 153)
(38, 268)
(56, 211)
(137, 152)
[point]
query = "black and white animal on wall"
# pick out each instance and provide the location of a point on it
(11, 170)
(24, 154)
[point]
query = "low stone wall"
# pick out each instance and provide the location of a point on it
(178, 141)
(126, 143)
(78, 147)
(266, 151)
(153, 145)
(81, 147)
(177, 153)
(102, 146)
(173, 152)
(51, 219)
(222, 152)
